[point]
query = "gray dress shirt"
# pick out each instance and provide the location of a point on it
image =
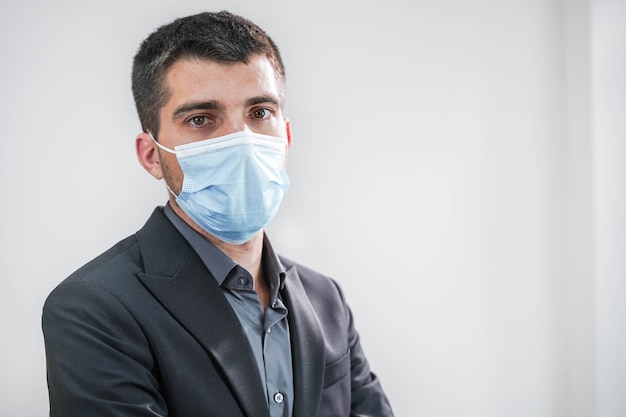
(267, 331)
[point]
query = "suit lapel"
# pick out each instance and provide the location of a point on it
(307, 348)
(177, 278)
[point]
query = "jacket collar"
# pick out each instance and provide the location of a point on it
(307, 349)
(178, 279)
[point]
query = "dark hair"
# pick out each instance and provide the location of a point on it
(220, 37)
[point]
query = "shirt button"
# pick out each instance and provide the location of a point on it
(279, 398)
(243, 281)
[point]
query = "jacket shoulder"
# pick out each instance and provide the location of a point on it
(321, 289)
(307, 275)
(122, 257)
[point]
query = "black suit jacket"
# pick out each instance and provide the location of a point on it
(144, 330)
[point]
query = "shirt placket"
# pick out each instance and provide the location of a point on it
(277, 369)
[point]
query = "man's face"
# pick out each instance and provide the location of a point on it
(208, 100)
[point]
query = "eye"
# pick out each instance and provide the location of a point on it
(261, 113)
(198, 120)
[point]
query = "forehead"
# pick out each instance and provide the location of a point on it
(228, 83)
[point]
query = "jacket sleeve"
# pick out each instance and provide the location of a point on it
(98, 359)
(367, 396)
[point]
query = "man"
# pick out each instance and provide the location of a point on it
(195, 314)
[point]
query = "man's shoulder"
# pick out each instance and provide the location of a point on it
(116, 263)
(108, 277)
(119, 261)
(304, 271)
(312, 280)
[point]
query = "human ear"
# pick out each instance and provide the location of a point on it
(148, 155)
(288, 129)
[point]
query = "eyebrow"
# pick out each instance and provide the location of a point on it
(198, 105)
(263, 99)
(215, 105)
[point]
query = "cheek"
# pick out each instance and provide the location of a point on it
(172, 173)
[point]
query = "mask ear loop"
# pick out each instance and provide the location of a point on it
(161, 146)
(166, 150)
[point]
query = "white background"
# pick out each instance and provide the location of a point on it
(457, 166)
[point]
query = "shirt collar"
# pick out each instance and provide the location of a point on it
(219, 264)
(272, 268)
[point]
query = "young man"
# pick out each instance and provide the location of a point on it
(195, 314)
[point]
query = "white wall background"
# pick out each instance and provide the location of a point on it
(457, 166)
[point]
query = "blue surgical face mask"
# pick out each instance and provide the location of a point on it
(233, 184)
